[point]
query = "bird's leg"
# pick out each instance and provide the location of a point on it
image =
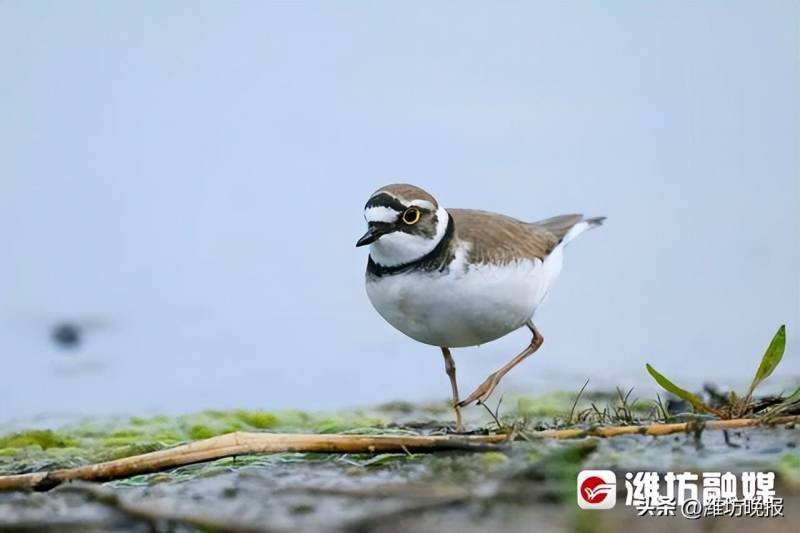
(450, 367)
(482, 393)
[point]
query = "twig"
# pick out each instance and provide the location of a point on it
(242, 443)
(658, 429)
(496, 412)
(600, 416)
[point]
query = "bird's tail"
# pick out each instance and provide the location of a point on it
(567, 227)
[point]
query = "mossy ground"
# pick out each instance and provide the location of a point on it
(505, 489)
(102, 440)
(95, 441)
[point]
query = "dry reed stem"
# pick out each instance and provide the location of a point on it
(657, 430)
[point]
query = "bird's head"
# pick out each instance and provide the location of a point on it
(404, 223)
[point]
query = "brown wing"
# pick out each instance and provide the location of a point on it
(501, 239)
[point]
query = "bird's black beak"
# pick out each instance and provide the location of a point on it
(372, 235)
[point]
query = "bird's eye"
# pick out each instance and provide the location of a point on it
(411, 215)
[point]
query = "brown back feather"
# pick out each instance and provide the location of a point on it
(501, 239)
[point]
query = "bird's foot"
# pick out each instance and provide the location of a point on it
(482, 393)
(459, 424)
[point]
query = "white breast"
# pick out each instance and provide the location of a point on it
(464, 306)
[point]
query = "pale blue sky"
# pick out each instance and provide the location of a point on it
(192, 175)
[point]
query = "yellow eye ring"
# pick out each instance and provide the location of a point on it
(411, 216)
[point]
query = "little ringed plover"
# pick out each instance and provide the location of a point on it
(460, 277)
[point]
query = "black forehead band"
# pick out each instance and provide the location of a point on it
(385, 200)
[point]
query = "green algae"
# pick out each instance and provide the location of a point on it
(548, 405)
(44, 439)
(199, 432)
(494, 459)
(257, 419)
(106, 439)
(128, 450)
(102, 440)
(788, 469)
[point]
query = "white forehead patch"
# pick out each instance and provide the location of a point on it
(380, 213)
(424, 204)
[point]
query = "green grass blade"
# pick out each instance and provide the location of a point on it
(790, 401)
(792, 398)
(770, 360)
(669, 386)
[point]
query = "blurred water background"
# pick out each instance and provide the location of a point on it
(185, 181)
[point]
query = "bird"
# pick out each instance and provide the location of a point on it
(455, 278)
(67, 335)
(70, 334)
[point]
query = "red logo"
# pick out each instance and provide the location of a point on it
(594, 490)
(597, 489)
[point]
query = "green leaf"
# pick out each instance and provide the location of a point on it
(669, 386)
(770, 360)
